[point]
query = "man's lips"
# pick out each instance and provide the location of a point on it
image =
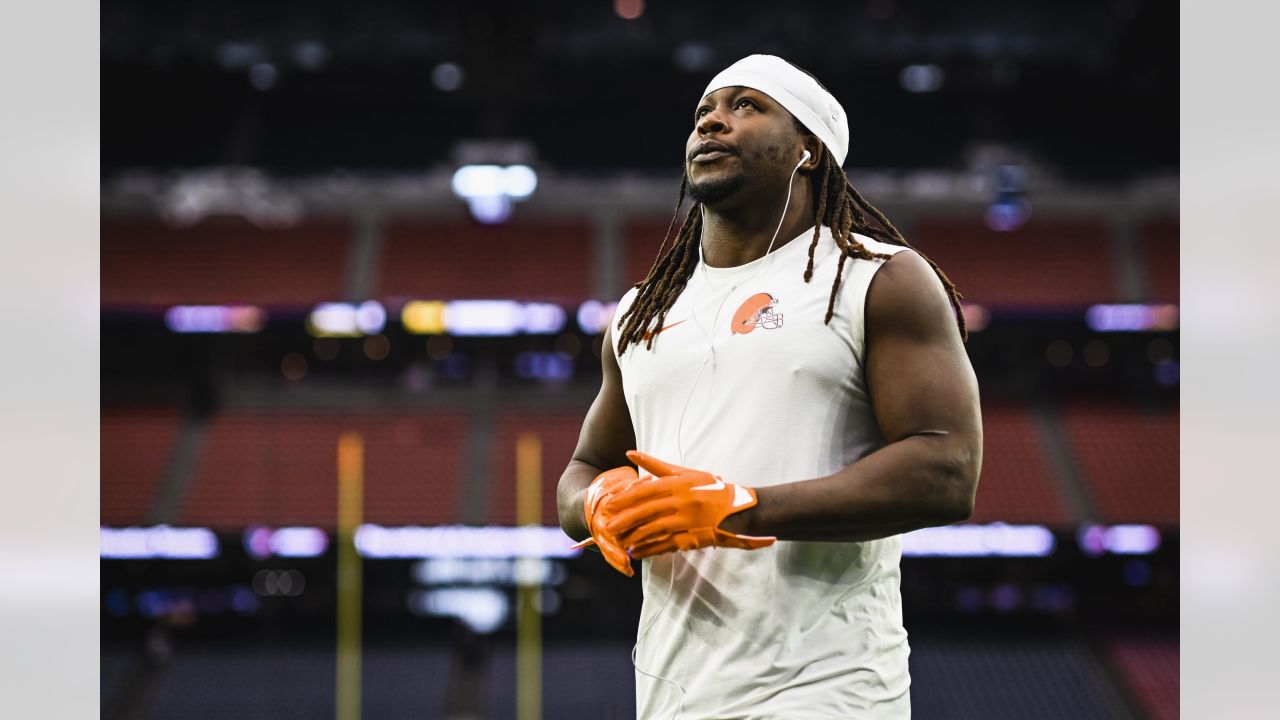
(710, 156)
(709, 150)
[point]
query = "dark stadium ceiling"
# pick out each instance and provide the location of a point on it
(1089, 88)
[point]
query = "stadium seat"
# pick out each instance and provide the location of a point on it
(280, 469)
(1128, 460)
(526, 260)
(1016, 485)
(641, 239)
(559, 435)
(220, 261)
(1009, 677)
(1150, 667)
(135, 448)
(1159, 242)
(1041, 265)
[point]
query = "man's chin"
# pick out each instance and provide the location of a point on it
(714, 191)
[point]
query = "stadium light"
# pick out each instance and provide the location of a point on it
(993, 540)
(447, 76)
(502, 317)
(1118, 539)
(423, 317)
(292, 542)
(1011, 207)
(1131, 317)
(215, 319)
(489, 571)
(491, 190)
(160, 542)
(460, 541)
(594, 315)
(921, 78)
(347, 319)
(482, 609)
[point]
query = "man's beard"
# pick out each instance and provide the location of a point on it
(710, 192)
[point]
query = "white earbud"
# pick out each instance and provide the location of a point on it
(806, 156)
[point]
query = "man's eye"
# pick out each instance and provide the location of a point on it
(748, 102)
(701, 111)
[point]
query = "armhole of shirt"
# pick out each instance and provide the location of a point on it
(628, 298)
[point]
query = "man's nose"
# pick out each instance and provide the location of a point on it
(711, 122)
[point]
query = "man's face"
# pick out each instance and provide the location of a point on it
(742, 140)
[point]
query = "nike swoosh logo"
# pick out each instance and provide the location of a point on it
(740, 495)
(717, 485)
(651, 333)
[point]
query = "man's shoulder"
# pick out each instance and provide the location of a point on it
(906, 292)
(906, 269)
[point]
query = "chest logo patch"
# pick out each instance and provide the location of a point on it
(756, 311)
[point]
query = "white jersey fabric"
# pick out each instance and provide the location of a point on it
(797, 630)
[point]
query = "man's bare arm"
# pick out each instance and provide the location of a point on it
(606, 437)
(925, 398)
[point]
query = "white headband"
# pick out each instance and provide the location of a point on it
(794, 90)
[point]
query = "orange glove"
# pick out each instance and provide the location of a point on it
(677, 509)
(602, 488)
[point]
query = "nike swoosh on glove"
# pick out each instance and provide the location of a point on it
(601, 489)
(677, 509)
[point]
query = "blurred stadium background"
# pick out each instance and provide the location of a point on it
(399, 229)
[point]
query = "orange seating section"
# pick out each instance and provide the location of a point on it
(1063, 264)
(558, 435)
(1016, 485)
(221, 261)
(1128, 462)
(1150, 667)
(135, 449)
(281, 469)
(1159, 242)
(523, 261)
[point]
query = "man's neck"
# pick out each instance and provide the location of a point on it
(737, 236)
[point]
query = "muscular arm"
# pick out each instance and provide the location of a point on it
(606, 437)
(925, 398)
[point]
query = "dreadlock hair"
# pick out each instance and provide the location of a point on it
(839, 206)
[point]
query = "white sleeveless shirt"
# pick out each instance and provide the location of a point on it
(797, 630)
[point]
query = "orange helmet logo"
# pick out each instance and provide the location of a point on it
(756, 311)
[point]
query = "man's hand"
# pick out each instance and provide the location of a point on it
(676, 509)
(593, 502)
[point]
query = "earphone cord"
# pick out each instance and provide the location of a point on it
(680, 424)
(670, 587)
(785, 206)
(706, 282)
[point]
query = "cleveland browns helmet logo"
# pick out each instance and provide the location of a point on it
(756, 311)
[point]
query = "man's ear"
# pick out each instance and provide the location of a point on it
(815, 148)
